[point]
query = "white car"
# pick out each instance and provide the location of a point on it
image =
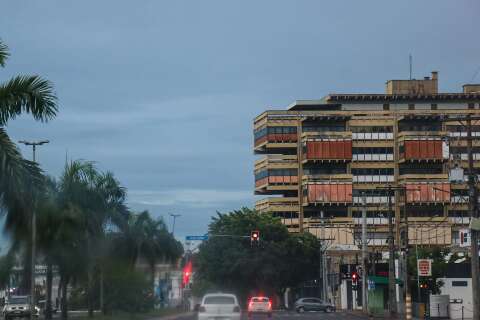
(219, 306)
(18, 307)
(259, 305)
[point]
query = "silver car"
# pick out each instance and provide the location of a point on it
(18, 307)
(313, 304)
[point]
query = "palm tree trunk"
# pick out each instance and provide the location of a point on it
(48, 307)
(102, 303)
(64, 299)
(89, 278)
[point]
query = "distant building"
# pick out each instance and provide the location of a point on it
(318, 157)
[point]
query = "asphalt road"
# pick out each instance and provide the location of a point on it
(292, 315)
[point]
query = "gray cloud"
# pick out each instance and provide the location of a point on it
(163, 93)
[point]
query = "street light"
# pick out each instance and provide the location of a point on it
(174, 216)
(34, 145)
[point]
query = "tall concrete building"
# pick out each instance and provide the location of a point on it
(322, 158)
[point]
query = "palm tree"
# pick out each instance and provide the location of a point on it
(21, 179)
(99, 199)
(21, 94)
(147, 238)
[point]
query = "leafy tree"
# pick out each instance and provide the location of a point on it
(439, 267)
(231, 263)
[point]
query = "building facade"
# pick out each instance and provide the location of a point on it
(322, 161)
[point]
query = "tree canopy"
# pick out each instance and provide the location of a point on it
(228, 261)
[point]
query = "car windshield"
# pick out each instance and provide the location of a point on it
(239, 157)
(219, 300)
(18, 300)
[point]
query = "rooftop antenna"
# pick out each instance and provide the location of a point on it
(410, 62)
(475, 75)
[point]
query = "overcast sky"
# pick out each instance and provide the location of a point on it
(163, 93)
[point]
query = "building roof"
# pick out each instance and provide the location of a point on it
(333, 101)
(442, 97)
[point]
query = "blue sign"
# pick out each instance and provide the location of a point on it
(371, 285)
(200, 238)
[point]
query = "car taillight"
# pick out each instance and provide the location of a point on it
(236, 309)
(250, 304)
(269, 305)
(201, 309)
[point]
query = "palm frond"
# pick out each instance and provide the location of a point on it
(3, 53)
(20, 181)
(27, 94)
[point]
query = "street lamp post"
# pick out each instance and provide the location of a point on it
(34, 145)
(174, 216)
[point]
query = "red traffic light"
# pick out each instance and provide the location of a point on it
(187, 272)
(354, 276)
(255, 235)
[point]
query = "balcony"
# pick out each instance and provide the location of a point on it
(327, 150)
(371, 221)
(277, 162)
(373, 199)
(275, 137)
(415, 177)
(373, 178)
(328, 193)
(278, 204)
(428, 193)
(276, 184)
(372, 136)
(423, 150)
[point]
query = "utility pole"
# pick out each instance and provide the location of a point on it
(364, 253)
(392, 300)
(472, 207)
(408, 296)
(34, 145)
(392, 292)
(174, 216)
(323, 260)
(473, 200)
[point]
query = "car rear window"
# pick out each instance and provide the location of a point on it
(260, 299)
(18, 300)
(219, 300)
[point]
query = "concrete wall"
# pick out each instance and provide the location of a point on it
(453, 288)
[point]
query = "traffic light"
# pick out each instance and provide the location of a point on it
(187, 272)
(255, 237)
(354, 280)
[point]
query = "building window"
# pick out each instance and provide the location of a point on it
(433, 106)
(459, 284)
(386, 106)
(411, 106)
(471, 106)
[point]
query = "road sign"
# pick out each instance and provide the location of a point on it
(371, 285)
(199, 238)
(464, 237)
(424, 267)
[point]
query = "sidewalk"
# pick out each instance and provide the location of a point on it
(361, 315)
